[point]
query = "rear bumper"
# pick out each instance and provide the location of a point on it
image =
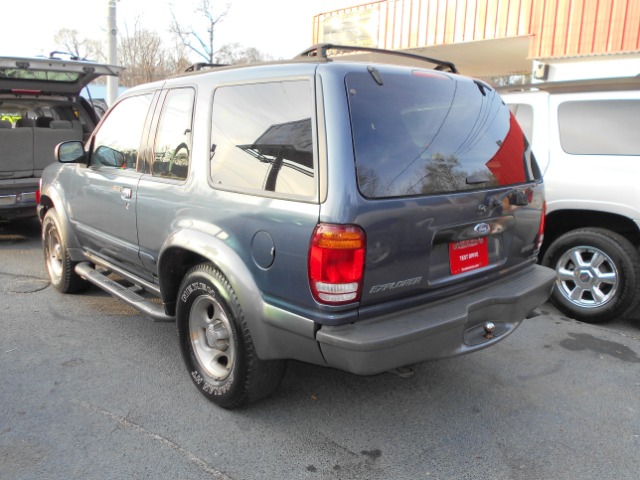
(17, 205)
(18, 198)
(453, 326)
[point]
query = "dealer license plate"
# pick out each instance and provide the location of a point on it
(468, 255)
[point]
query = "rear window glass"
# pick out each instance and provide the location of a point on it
(600, 127)
(39, 75)
(427, 133)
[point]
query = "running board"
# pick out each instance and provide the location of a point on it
(143, 305)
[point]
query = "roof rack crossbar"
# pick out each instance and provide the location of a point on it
(320, 50)
(52, 55)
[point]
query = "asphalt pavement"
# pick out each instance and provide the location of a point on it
(90, 389)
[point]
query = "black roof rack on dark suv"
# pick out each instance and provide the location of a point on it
(55, 55)
(320, 50)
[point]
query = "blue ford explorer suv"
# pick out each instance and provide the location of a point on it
(338, 210)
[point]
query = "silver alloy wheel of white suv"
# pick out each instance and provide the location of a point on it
(597, 274)
(587, 277)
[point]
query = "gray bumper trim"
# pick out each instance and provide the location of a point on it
(447, 328)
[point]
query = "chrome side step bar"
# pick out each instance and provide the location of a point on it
(143, 305)
(149, 287)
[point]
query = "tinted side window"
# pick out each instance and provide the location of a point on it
(600, 127)
(262, 138)
(117, 142)
(524, 115)
(425, 133)
(172, 148)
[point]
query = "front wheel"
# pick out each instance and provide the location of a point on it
(598, 274)
(216, 344)
(59, 265)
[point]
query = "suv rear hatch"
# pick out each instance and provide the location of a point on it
(49, 76)
(452, 196)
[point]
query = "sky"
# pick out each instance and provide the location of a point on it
(280, 28)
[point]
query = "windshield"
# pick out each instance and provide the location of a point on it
(421, 132)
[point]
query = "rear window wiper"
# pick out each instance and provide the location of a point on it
(375, 73)
(477, 178)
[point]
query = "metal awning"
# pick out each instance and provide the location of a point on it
(482, 58)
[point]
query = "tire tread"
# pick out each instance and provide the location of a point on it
(260, 378)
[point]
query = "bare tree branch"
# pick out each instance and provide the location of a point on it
(234, 53)
(67, 39)
(192, 39)
(145, 58)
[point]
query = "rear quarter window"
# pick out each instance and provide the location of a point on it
(600, 127)
(423, 133)
(262, 139)
(172, 146)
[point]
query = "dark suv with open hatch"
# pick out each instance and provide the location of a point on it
(40, 106)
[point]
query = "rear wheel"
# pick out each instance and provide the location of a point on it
(216, 344)
(597, 274)
(59, 265)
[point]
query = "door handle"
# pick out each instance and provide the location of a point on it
(126, 193)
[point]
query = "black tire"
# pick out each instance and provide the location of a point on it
(216, 344)
(598, 274)
(60, 268)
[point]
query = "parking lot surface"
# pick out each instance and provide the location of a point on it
(91, 389)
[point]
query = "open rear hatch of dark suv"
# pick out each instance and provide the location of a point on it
(40, 106)
(50, 76)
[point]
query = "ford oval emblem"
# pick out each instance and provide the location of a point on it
(482, 228)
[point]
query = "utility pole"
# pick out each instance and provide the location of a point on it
(112, 50)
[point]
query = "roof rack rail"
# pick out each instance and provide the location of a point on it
(320, 50)
(202, 65)
(53, 56)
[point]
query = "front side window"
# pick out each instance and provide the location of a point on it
(172, 148)
(600, 127)
(262, 138)
(420, 133)
(117, 142)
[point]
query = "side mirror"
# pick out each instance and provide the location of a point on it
(70, 152)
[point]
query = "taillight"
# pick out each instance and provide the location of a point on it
(38, 191)
(540, 237)
(336, 263)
